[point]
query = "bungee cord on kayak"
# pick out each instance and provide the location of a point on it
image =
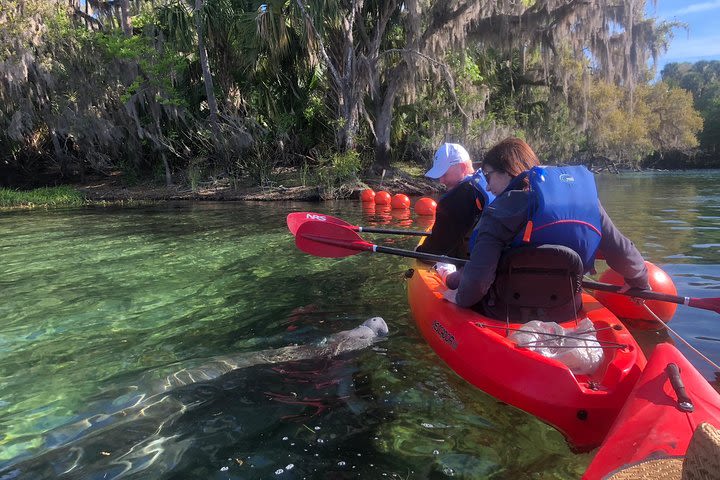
(577, 336)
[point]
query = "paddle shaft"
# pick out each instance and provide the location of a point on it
(706, 304)
(391, 231)
(362, 246)
(348, 242)
(590, 284)
(650, 295)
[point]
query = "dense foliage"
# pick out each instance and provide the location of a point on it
(186, 90)
(702, 80)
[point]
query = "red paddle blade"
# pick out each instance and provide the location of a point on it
(295, 219)
(705, 303)
(329, 240)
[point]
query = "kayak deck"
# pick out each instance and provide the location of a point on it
(476, 347)
(652, 424)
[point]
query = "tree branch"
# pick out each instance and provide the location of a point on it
(517, 23)
(443, 67)
(441, 21)
(318, 37)
(89, 18)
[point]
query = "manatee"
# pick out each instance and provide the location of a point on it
(367, 333)
(82, 450)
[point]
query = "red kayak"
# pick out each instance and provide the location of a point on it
(582, 407)
(668, 403)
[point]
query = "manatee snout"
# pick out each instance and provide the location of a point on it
(377, 325)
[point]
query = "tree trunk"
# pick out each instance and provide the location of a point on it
(168, 175)
(348, 114)
(87, 22)
(118, 14)
(124, 18)
(343, 76)
(383, 122)
(111, 18)
(57, 148)
(382, 157)
(207, 75)
(383, 130)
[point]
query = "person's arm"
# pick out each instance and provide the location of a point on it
(455, 215)
(621, 254)
(500, 223)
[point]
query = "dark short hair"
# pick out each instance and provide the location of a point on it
(512, 156)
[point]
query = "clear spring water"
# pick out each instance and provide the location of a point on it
(96, 302)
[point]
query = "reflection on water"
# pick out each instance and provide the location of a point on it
(154, 434)
(98, 301)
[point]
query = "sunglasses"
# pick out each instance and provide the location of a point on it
(487, 174)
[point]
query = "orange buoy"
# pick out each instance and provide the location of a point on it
(425, 206)
(367, 195)
(382, 198)
(633, 314)
(400, 201)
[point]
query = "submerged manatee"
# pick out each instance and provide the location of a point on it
(358, 338)
(133, 441)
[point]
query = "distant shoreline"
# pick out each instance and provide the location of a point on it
(113, 190)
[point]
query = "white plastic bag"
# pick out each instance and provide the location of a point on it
(581, 353)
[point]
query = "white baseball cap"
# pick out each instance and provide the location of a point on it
(447, 155)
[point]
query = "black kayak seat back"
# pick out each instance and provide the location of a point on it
(536, 283)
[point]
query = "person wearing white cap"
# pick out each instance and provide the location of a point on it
(451, 164)
(459, 209)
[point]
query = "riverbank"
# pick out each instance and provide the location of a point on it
(115, 189)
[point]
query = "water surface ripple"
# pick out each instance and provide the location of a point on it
(99, 304)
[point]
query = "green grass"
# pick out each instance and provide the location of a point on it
(41, 197)
(411, 168)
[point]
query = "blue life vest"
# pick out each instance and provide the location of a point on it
(477, 180)
(485, 198)
(479, 184)
(563, 209)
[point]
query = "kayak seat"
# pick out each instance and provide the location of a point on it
(536, 283)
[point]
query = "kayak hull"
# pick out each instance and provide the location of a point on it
(582, 407)
(651, 425)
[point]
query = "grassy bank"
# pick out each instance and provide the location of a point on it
(63, 196)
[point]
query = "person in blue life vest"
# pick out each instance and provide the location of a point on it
(458, 210)
(506, 168)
